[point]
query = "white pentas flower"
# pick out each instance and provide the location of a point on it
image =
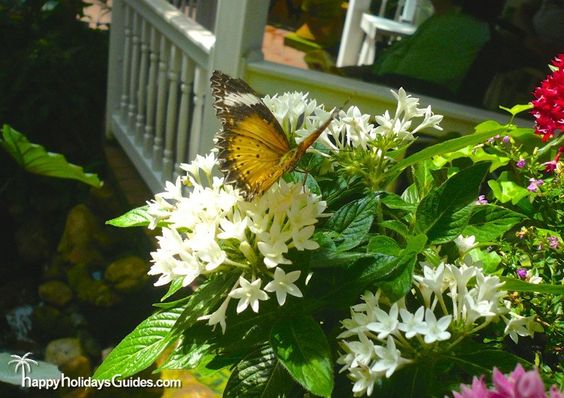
(249, 294)
(212, 229)
(283, 284)
(291, 109)
(448, 303)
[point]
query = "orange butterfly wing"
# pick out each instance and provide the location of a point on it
(252, 143)
(254, 151)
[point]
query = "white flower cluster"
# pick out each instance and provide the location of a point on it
(466, 299)
(213, 229)
(352, 128)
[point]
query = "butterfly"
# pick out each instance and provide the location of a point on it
(254, 151)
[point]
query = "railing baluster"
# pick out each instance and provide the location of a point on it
(186, 81)
(142, 85)
(133, 73)
(126, 60)
(200, 90)
(171, 112)
(161, 105)
(151, 94)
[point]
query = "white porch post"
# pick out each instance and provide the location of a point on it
(115, 61)
(239, 31)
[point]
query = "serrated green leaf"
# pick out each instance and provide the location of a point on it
(488, 222)
(138, 217)
(302, 348)
(517, 285)
(261, 375)
(384, 245)
(205, 299)
(328, 255)
(186, 357)
(174, 286)
(445, 211)
(399, 286)
(396, 226)
(139, 349)
(393, 201)
(353, 221)
(35, 159)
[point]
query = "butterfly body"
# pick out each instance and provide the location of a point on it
(254, 151)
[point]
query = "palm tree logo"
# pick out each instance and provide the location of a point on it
(22, 363)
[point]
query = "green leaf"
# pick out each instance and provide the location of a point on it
(35, 159)
(175, 286)
(396, 226)
(489, 222)
(445, 211)
(189, 352)
(302, 348)
(384, 245)
(205, 299)
(517, 285)
(138, 217)
(401, 284)
(261, 375)
(139, 349)
(393, 201)
(483, 132)
(353, 221)
(517, 109)
(328, 255)
(506, 190)
(476, 358)
(475, 154)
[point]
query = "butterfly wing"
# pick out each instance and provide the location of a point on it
(252, 145)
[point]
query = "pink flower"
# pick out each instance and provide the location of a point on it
(553, 242)
(534, 184)
(518, 384)
(522, 274)
(548, 105)
(520, 163)
(478, 390)
(482, 200)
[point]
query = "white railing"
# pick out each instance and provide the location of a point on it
(159, 106)
(157, 85)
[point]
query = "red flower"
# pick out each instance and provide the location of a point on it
(548, 105)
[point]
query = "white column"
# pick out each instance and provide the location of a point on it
(142, 84)
(161, 105)
(126, 62)
(115, 63)
(171, 113)
(186, 81)
(151, 94)
(135, 37)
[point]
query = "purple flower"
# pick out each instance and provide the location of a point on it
(534, 184)
(521, 273)
(521, 163)
(482, 200)
(506, 139)
(553, 242)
